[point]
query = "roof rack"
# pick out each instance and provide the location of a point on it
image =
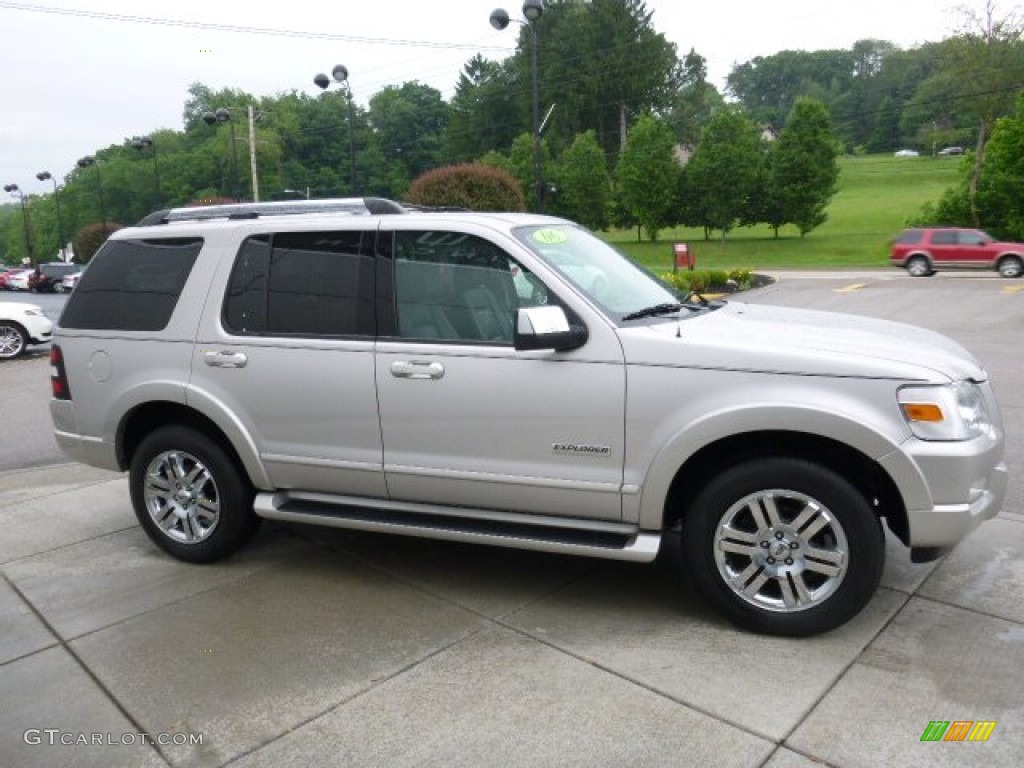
(352, 205)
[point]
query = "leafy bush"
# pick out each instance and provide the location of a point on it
(89, 238)
(708, 280)
(472, 186)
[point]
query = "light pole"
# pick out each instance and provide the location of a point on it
(340, 74)
(532, 11)
(142, 143)
(85, 162)
(46, 176)
(14, 189)
(222, 115)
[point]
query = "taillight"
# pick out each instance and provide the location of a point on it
(58, 376)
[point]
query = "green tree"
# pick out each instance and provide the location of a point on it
(723, 171)
(804, 168)
(485, 95)
(408, 124)
(602, 63)
(1001, 193)
(648, 175)
(584, 183)
(694, 102)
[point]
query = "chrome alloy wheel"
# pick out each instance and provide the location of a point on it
(781, 551)
(12, 341)
(181, 497)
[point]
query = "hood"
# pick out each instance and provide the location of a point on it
(755, 337)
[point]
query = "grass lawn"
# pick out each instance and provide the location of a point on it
(877, 195)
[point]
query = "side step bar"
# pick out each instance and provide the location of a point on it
(570, 536)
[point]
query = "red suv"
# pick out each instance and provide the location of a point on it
(923, 251)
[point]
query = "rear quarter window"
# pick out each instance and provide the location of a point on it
(132, 285)
(909, 237)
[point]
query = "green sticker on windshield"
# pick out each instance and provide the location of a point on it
(550, 236)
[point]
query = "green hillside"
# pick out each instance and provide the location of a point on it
(877, 195)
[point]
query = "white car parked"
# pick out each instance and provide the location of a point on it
(20, 326)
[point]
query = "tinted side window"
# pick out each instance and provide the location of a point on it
(968, 237)
(303, 283)
(909, 237)
(132, 285)
(944, 237)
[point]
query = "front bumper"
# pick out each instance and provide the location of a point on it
(948, 488)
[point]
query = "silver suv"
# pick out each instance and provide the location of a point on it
(510, 379)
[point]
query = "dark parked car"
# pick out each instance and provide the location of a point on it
(923, 251)
(50, 276)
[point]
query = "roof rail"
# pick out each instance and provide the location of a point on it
(353, 205)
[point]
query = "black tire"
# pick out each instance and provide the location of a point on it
(918, 266)
(13, 340)
(58, 287)
(1010, 266)
(785, 567)
(181, 478)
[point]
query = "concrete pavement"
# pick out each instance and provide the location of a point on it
(323, 647)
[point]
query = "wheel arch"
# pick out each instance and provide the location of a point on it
(145, 418)
(866, 474)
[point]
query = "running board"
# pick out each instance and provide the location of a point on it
(570, 536)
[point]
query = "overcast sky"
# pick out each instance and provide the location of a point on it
(80, 75)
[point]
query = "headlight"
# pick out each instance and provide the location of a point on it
(946, 412)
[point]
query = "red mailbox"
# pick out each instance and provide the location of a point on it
(685, 257)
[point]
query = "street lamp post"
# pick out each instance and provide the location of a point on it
(532, 11)
(340, 75)
(222, 115)
(46, 176)
(141, 143)
(85, 162)
(14, 189)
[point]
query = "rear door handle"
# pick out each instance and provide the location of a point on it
(217, 359)
(412, 369)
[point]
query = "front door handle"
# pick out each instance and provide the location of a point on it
(225, 359)
(413, 369)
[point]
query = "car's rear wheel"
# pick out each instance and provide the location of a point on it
(783, 546)
(13, 340)
(918, 266)
(1010, 266)
(189, 496)
(58, 287)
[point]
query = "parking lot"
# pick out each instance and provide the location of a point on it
(326, 647)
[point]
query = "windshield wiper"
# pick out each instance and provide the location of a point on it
(657, 309)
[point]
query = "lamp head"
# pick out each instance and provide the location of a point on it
(532, 9)
(499, 18)
(322, 81)
(340, 73)
(44, 176)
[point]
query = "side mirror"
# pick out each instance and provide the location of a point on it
(547, 328)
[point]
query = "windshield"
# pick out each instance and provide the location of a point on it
(599, 272)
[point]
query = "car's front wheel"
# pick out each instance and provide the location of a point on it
(189, 496)
(918, 266)
(1011, 266)
(783, 546)
(13, 340)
